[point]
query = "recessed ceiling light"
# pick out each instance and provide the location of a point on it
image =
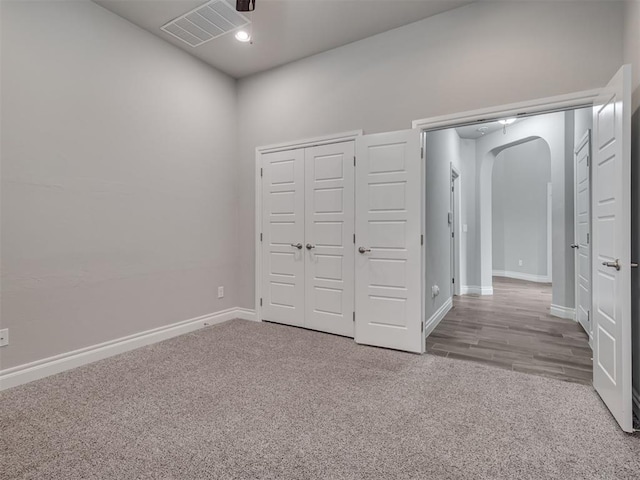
(242, 36)
(506, 121)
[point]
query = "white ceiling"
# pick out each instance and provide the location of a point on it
(283, 30)
(473, 132)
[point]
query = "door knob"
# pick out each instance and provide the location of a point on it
(364, 250)
(297, 245)
(615, 264)
(309, 246)
(574, 245)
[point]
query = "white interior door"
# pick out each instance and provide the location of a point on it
(612, 247)
(582, 232)
(388, 241)
(283, 237)
(329, 229)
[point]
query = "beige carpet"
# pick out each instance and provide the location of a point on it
(251, 400)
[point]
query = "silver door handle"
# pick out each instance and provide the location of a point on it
(364, 250)
(574, 245)
(615, 264)
(297, 245)
(634, 265)
(309, 246)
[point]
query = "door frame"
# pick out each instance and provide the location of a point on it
(529, 108)
(279, 147)
(456, 225)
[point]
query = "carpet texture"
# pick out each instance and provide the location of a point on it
(255, 400)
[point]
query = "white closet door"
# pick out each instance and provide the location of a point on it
(582, 227)
(283, 237)
(388, 259)
(612, 247)
(329, 229)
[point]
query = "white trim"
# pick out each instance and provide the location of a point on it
(530, 107)
(21, 374)
(529, 277)
(246, 314)
(475, 290)
(456, 196)
(436, 318)
(549, 231)
(311, 142)
(563, 312)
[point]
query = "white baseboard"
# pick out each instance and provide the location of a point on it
(522, 276)
(21, 374)
(563, 312)
(475, 290)
(437, 317)
(246, 314)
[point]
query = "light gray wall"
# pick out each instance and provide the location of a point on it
(119, 181)
(519, 208)
(583, 121)
(566, 253)
(443, 150)
(484, 54)
(467, 183)
(632, 55)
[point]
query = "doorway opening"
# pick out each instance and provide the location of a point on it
(510, 255)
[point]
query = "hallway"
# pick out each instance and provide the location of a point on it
(512, 329)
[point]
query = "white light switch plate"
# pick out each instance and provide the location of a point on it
(4, 337)
(220, 292)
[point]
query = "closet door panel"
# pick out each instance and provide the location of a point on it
(329, 229)
(283, 237)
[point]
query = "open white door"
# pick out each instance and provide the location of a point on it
(582, 232)
(388, 241)
(612, 247)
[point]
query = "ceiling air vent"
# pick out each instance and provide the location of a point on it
(209, 21)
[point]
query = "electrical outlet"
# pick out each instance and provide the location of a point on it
(4, 337)
(519, 263)
(220, 292)
(435, 291)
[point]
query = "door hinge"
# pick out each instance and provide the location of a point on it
(421, 239)
(354, 160)
(587, 239)
(453, 234)
(261, 237)
(354, 238)
(422, 326)
(354, 316)
(261, 172)
(421, 152)
(453, 280)
(261, 302)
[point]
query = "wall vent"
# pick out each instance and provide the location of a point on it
(206, 22)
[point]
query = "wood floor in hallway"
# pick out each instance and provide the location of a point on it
(513, 329)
